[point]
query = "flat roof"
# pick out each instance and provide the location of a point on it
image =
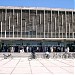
(35, 8)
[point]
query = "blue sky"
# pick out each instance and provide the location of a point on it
(39, 3)
(74, 4)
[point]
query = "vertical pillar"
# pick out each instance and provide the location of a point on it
(5, 21)
(5, 33)
(21, 23)
(36, 31)
(32, 27)
(9, 22)
(73, 34)
(59, 31)
(2, 15)
(36, 24)
(69, 30)
(25, 29)
(40, 24)
(1, 29)
(5, 14)
(62, 26)
(13, 16)
(33, 23)
(36, 12)
(44, 23)
(51, 23)
(66, 23)
(13, 24)
(72, 25)
(17, 32)
(17, 25)
(13, 31)
(29, 33)
(9, 26)
(17, 18)
(29, 15)
(66, 30)
(48, 30)
(55, 27)
(40, 18)
(58, 24)
(13, 11)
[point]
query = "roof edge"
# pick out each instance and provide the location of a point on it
(35, 8)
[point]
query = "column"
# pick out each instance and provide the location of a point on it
(5, 14)
(13, 24)
(55, 27)
(66, 30)
(9, 26)
(5, 21)
(36, 12)
(5, 33)
(25, 29)
(44, 23)
(1, 29)
(58, 24)
(21, 23)
(62, 26)
(69, 30)
(73, 34)
(72, 25)
(48, 30)
(17, 18)
(13, 31)
(36, 31)
(59, 31)
(17, 25)
(66, 23)
(33, 23)
(9, 22)
(40, 18)
(51, 23)
(2, 15)
(29, 33)
(29, 15)
(36, 24)
(13, 11)
(13, 16)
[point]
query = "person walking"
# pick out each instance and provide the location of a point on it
(33, 53)
(47, 54)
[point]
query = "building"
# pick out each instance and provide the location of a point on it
(33, 26)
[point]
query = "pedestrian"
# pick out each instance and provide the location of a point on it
(33, 53)
(47, 54)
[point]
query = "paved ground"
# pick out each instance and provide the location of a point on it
(36, 66)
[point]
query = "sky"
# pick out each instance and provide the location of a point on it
(74, 4)
(40, 3)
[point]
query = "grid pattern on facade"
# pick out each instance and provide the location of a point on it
(33, 23)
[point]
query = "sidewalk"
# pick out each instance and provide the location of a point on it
(36, 66)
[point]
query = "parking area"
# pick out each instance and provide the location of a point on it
(50, 66)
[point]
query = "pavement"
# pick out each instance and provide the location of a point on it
(22, 66)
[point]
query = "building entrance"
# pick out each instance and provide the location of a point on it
(38, 46)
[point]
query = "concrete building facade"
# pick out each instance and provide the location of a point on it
(37, 26)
